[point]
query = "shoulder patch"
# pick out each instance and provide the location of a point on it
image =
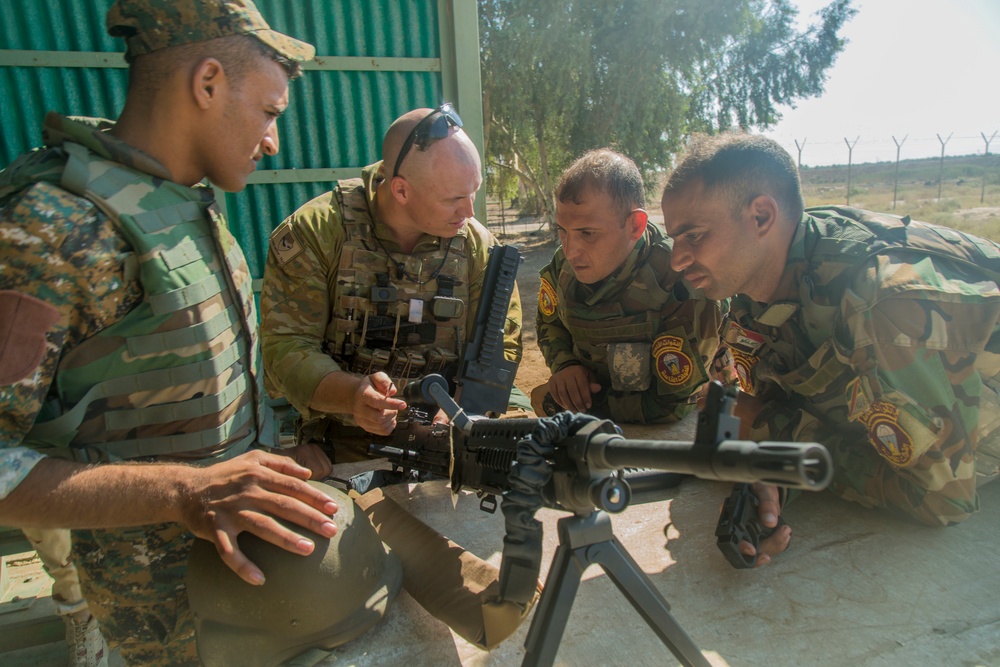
(547, 300)
(285, 244)
(672, 365)
(24, 323)
(886, 434)
(743, 339)
(744, 364)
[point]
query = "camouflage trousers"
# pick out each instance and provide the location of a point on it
(133, 579)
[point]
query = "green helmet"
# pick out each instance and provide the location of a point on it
(317, 601)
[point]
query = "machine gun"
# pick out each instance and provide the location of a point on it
(572, 462)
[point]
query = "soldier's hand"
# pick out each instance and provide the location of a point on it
(375, 408)
(573, 388)
(249, 493)
(769, 511)
(310, 455)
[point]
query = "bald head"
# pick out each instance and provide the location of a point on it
(455, 150)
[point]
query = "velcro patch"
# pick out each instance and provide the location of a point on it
(886, 434)
(744, 364)
(743, 339)
(672, 365)
(285, 244)
(24, 322)
(547, 300)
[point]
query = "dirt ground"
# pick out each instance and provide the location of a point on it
(536, 250)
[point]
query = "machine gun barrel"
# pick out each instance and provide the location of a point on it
(795, 465)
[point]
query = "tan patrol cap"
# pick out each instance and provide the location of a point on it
(149, 25)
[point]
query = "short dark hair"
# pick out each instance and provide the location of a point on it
(607, 171)
(740, 166)
(238, 54)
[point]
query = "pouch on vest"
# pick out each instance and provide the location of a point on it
(438, 360)
(406, 364)
(628, 364)
(367, 361)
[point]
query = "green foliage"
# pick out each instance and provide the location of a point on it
(561, 78)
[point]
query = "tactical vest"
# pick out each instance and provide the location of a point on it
(404, 316)
(847, 238)
(621, 338)
(176, 376)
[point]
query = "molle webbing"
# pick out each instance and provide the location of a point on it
(360, 324)
(144, 382)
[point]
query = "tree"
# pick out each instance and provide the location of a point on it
(562, 77)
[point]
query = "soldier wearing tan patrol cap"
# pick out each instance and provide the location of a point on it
(128, 327)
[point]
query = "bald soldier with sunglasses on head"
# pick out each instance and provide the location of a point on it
(377, 282)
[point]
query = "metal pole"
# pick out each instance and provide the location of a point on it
(800, 151)
(944, 142)
(850, 153)
(986, 163)
(895, 182)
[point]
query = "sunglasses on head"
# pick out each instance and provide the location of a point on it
(432, 127)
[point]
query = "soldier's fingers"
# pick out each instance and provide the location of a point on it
(230, 553)
(382, 383)
(580, 396)
(288, 494)
(283, 464)
(770, 505)
(774, 545)
(558, 394)
(314, 458)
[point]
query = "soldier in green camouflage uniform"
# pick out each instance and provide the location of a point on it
(127, 325)
(873, 335)
(377, 283)
(625, 338)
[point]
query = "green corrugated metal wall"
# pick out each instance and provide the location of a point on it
(375, 60)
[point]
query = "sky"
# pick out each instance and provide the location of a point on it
(912, 68)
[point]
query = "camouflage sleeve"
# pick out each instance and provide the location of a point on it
(64, 274)
(554, 339)
(15, 464)
(912, 413)
(480, 240)
(691, 329)
(295, 304)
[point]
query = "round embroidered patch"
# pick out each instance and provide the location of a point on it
(547, 298)
(672, 365)
(885, 433)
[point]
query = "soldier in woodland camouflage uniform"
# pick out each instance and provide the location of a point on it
(127, 325)
(376, 283)
(625, 338)
(874, 335)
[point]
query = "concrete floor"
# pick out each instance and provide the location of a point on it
(857, 587)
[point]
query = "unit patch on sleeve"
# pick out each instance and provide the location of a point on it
(285, 244)
(672, 365)
(743, 339)
(886, 434)
(744, 364)
(547, 300)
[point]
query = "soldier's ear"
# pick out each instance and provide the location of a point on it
(764, 212)
(636, 223)
(400, 189)
(208, 76)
